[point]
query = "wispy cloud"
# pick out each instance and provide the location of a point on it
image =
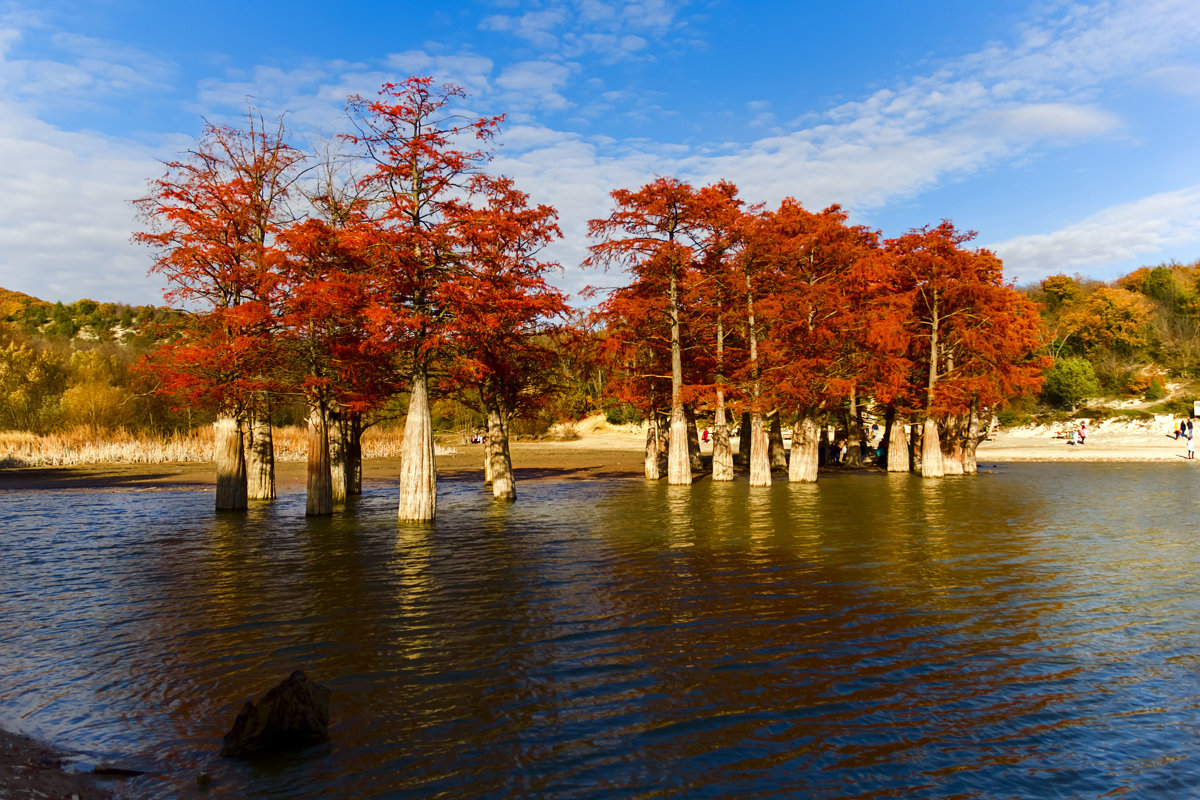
(1110, 237)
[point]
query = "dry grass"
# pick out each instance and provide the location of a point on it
(86, 446)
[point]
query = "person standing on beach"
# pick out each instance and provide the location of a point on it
(1191, 445)
(1082, 431)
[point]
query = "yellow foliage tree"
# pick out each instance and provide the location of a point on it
(1112, 319)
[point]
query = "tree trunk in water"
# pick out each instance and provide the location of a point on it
(679, 467)
(491, 450)
(231, 464)
(802, 468)
(418, 475)
(339, 457)
(722, 461)
(952, 450)
(897, 449)
(320, 476)
(853, 434)
(693, 440)
(760, 459)
(354, 455)
(744, 439)
(504, 485)
(260, 457)
(969, 461)
(652, 471)
(776, 453)
(931, 451)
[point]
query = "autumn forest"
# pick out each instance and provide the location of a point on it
(387, 277)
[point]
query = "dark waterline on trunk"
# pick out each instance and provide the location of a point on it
(1033, 632)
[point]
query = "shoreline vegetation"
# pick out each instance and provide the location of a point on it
(590, 448)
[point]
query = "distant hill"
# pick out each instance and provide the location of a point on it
(83, 319)
(13, 303)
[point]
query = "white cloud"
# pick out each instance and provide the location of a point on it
(1051, 121)
(534, 83)
(1176, 78)
(1137, 230)
(534, 26)
(65, 201)
(616, 30)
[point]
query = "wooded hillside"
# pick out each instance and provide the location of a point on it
(1124, 339)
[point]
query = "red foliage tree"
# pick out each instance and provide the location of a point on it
(501, 356)
(973, 338)
(821, 352)
(423, 153)
(214, 219)
(655, 233)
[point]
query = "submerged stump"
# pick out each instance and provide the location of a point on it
(293, 715)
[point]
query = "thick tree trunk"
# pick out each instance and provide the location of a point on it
(897, 448)
(853, 433)
(339, 457)
(491, 449)
(931, 451)
(504, 484)
(260, 456)
(970, 461)
(651, 466)
(679, 467)
(231, 464)
(693, 440)
(776, 453)
(320, 476)
(722, 462)
(952, 446)
(802, 468)
(760, 459)
(418, 475)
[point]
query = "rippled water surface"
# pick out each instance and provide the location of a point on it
(1028, 633)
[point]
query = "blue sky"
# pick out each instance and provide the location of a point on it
(1065, 133)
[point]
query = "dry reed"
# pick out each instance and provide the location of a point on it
(86, 446)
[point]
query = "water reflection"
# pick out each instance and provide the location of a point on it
(867, 636)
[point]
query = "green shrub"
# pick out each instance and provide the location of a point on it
(1069, 382)
(1156, 390)
(621, 414)
(1012, 417)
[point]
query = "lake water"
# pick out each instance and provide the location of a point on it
(1034, 632)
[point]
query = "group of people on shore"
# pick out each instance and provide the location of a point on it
(1184, 429)
(1078, 435)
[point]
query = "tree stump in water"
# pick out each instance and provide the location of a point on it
(294, 714)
